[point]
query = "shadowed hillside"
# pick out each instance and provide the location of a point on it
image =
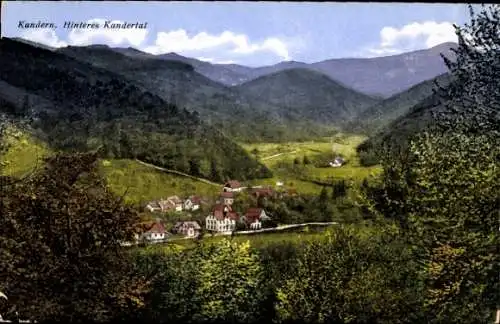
(382, 114)
(86, 107)
(242, 117)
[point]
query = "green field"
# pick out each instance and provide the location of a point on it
(341, 144)
(257, 241)
(24, 155)
(143, 183)
(140, 182)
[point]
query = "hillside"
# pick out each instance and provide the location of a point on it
(397, 133)
(388, 75)
(382, 114)
(86, 107)
(310, 94)
(243, 118)
(381, 76)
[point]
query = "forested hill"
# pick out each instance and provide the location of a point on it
(242, 117)
(86, 107)
(376, 117)
(397, 133)
(310, 94)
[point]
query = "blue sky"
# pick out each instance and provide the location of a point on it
(253, 34)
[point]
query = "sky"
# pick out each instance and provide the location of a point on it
(252, 34)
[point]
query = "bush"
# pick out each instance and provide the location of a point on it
(368, 158)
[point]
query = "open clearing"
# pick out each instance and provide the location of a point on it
(344, 145)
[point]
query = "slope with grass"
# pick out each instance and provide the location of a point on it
(306, 178)
(138, 183)
(92, 107)
(25, 155)
(141, 183)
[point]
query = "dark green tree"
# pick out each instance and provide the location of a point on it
(60, 242)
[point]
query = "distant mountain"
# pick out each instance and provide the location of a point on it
(388, 75)
(382, 114)
(79, 106)
(310, 94)
(236, 114)
(379, 76)
(382, 76)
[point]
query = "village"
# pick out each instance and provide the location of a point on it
(222, 217)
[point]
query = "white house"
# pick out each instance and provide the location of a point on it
(188, 228)
(222, 219)
(337, 162)
(154, 233)
(253, 218)
(192, 203)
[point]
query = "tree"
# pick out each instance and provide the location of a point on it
(215, 173)
(453, 220)
(346, 278)
(194, 167)
(230, 283)
(472, 100)
(306, 160)
(339, 189)
(60, 242)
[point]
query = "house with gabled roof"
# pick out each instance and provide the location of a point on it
(152, 232)
(176, 202)
(192, 203)
(253, 218)
(188, 228)
(222, 219)
(226, 198)
(337, 162)
(161, 205)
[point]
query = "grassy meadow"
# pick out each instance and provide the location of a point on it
(273, 154)
(257, 241)
(141, 183)
(24, 155)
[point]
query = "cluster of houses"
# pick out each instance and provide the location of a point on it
(174, 203)
(221, 218)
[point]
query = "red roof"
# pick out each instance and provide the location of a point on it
(233, 184)
(195, 199)
(227, 195)
(233, 215)
(218, 210)
(157, 228)
(253, 214)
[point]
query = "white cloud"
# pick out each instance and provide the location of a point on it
(413, 36)
(180, 42)
(224, 48)
(215, 61)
